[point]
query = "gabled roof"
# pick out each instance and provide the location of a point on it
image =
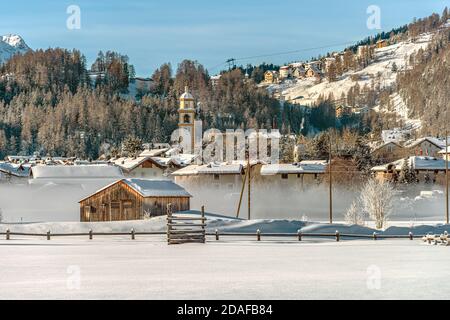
(129, 163)
(377, 147)
(435, 141)
(149, 188)
(415, 162)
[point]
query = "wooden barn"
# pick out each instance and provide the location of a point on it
(133, 199)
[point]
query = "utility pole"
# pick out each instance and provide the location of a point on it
(446, 176)
(249, 168)
(330, 191)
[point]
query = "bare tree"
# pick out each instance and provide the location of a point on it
(355, 214)
(376, 200)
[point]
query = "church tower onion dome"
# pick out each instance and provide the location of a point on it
(187, 100)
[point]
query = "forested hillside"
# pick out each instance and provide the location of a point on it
(425, 87)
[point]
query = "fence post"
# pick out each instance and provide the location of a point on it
(90, 234)
(169, 221)
(203, 222)
(338, 236)
(411, 236)
(374, 236)
(299, 234)
(217, 235)
(132, 234)
(258, 235)
(8, 234)
(48, 235)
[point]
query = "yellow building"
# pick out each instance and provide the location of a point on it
(187, 114)
(382, 44)
(271, 76)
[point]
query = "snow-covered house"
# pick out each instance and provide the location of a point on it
(212, 176)
(299, 72)
(300, 174)
(427, 169)
(388, 151)
(395, 135)
(312, 71)
(133, 199)
(144, 167)
(427, 146)
(285, 72)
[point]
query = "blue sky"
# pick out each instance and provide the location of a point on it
(153, 32)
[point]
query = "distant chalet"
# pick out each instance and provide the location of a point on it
(133, 199)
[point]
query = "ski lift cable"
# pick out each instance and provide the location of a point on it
(284, 53)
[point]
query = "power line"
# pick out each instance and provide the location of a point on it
(281, 53)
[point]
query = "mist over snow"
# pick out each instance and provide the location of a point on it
(59, 202)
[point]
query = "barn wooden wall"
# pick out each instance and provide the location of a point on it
(120, 202)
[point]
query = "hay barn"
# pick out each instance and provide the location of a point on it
(133, 199)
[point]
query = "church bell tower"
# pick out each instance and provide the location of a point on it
(187, 114)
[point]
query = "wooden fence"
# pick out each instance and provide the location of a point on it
(200, 236)
(185, 229)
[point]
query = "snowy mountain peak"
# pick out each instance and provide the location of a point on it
(11, 44)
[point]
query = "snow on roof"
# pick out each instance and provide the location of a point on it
(150, 188)
(211, 168)
(77, 172)
(157, 188)
(183, 159)
(129, 164)
(317, 166)
(153, 152)
(16, 170)
(416, 162)
(436, 141)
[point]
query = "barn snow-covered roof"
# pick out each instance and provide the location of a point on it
(149, 188)
(157, 188)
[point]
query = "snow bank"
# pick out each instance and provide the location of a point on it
(223, 224)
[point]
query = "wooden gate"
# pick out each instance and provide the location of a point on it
(185, 229)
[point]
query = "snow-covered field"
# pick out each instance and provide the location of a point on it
(147, 268)
(116, 267)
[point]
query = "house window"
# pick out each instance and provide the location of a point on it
(284, 176)
(216, 177)
(187, 118)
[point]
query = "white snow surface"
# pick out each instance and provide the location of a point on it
(147, 268)
(117, 267)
